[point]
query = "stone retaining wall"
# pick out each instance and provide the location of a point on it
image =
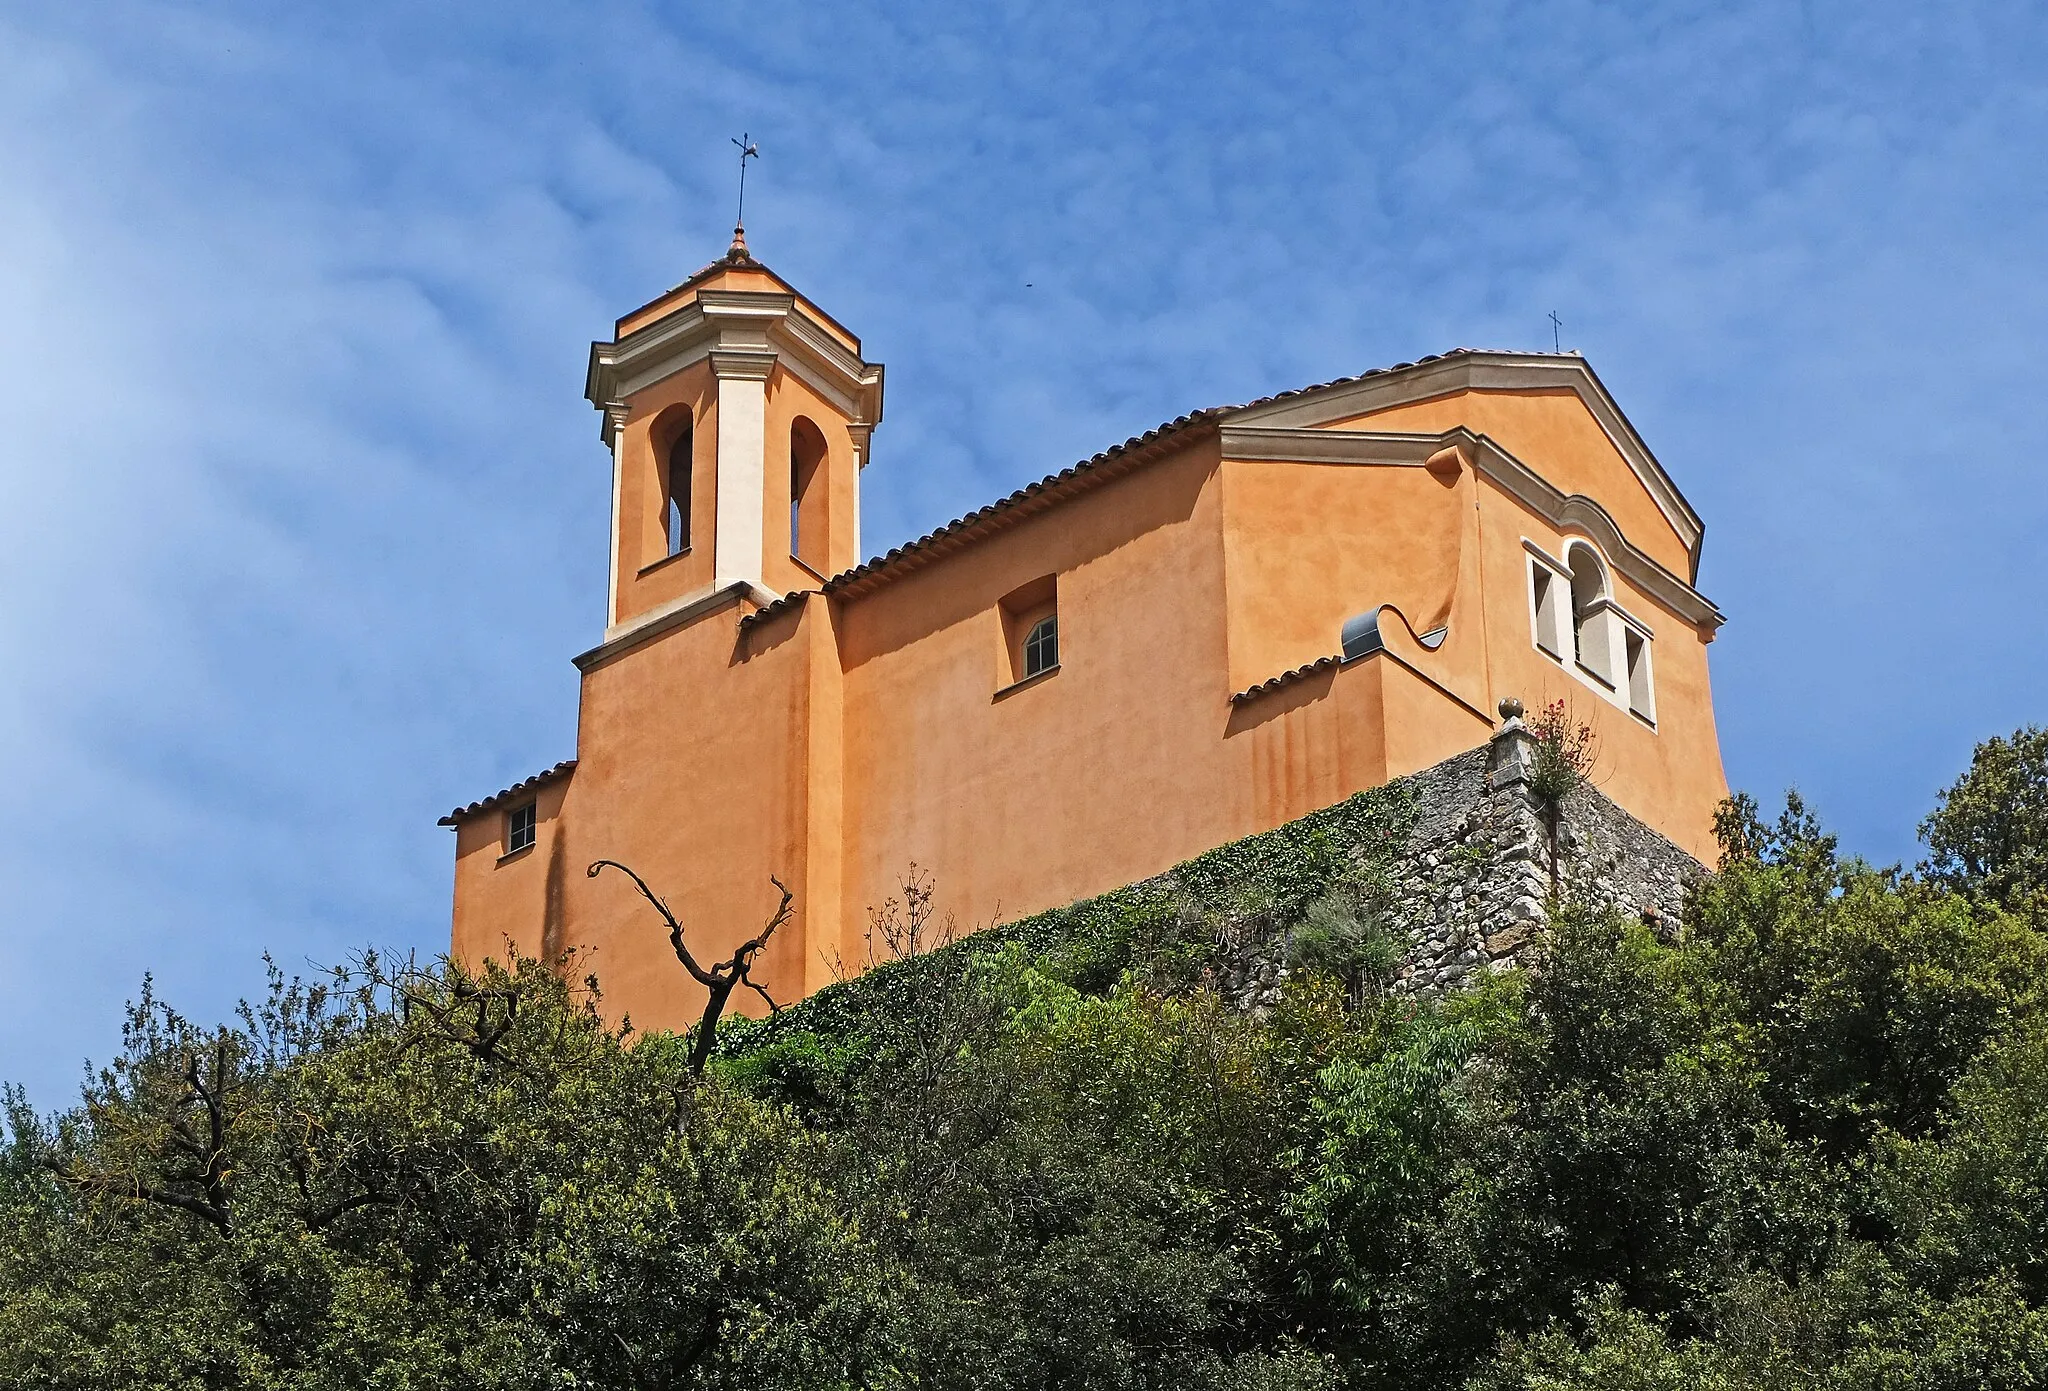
(1471, 885)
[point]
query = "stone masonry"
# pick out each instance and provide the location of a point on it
(1472, 885)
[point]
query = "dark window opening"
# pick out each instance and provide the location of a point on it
(676, 517)
(1042, 646)
(519, 828)
(807, 490)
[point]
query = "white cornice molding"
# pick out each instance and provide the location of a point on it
(1300, 444)
(746, 365)
(736, 323)
(1575, 512)
(684, 609)
(1488, 371)
(1568, 512)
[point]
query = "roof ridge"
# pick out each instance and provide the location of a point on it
(910, 550)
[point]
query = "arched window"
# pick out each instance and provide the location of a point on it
(1595, 626)
(676, 510)
(1042, 646)
(807, 490)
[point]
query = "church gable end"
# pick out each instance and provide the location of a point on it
(1549, 411)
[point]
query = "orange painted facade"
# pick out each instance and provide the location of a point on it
(1480, 525)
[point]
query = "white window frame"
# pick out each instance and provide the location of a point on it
(531, 811)
(1050, 627)
(1640, 678)
(1627, 684)
(1549, 608)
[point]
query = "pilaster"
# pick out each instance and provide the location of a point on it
(861, 434)
(742, 464)
(615, 436)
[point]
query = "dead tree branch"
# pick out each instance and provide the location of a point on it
(720, 978)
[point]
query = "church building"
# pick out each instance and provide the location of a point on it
(1208, 630)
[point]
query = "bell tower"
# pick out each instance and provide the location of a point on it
(738, 415)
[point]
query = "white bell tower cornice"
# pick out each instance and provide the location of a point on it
(735, 324)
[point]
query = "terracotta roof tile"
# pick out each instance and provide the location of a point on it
(1055, 487)
(1287, 678)
(1050, 489)
(497, 799)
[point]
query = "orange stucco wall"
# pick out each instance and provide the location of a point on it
(648, 575)
(1551, 425)
(849, 735)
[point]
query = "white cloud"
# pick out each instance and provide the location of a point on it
(301, 513)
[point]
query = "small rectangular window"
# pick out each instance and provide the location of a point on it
(1029, 628)
(1545, 587)
(519, 828)
(1042, 647)
(1640, 698)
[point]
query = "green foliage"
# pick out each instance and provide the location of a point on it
(1562, 755)
(1798, 1147)
(1343, 938)
(1988, 837)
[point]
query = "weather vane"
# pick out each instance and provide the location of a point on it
(748, 150)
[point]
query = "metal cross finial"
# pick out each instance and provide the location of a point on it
(1555, 324)
(748, 150)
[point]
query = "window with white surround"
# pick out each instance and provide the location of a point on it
(519, 827)
(1641, 700)
(1576, 622)
(1596, 627)
(1551, 609)
(1547, 589)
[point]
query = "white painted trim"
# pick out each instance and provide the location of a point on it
(1310, 446)
(862, 437)
(1491, 372)
(1575, 512)
(738, 320)
(1566, 511)
(739, 531)
(675, 613)
(618, 443)
(1558, 622)
(1615, 631)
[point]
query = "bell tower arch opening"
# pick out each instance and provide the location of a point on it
(678, 482)
(702, 390)
(809, 497)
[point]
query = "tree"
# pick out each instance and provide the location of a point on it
(1797, 1146)
(720, 978)
(1988, 837)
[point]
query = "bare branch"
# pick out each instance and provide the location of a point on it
(707, 979)
(340, 1207)
(721, 978)
(131, 1187)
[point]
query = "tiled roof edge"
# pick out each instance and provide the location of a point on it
(1051, 489)
(915, 552)
(540, 779)
(1286, 678)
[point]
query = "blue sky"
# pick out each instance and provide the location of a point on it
(302, 514)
